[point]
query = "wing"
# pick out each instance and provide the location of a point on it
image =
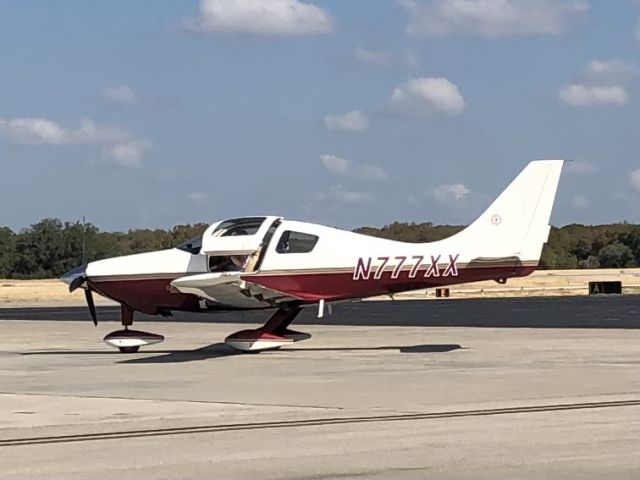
(228, 289)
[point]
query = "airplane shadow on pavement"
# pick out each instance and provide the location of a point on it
(441, 348)
(220, 350)
(215, 350)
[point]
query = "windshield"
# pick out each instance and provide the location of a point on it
(192, 246)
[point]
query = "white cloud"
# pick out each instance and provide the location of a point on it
(199, 198)
(634, 179)
(335, 164)
(353, 121)
(411, 58)
(346, 168)
(609, 72)
(42, 131)
(385, 58)
(422, 96)
(350, 196)
(450, 193)
(374, 58)
(579, 201)
(372, 172)
(121, 94)
(119, 145)
(581, 168)
(34, 131)
(339, 194)
(578, 95)
(259, 17)
(127, 154)
(603, 82)
(492, 18)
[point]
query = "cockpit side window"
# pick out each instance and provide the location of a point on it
(192, 246)
(296, 242)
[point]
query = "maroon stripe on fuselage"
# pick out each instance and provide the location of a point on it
(342, 286)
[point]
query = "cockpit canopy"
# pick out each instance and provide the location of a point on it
(228, 228)
(238, 226)
(236, 236)
(240, 243)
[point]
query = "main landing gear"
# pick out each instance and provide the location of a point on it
(273, 334)
(130, 341)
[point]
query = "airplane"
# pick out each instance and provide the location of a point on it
(271, 263)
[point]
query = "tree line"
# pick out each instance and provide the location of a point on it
(50, 247)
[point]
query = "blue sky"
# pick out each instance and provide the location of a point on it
(347, 113)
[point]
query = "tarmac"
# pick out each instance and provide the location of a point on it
(437, 389)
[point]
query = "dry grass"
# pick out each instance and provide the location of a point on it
(540, 283)
(44, 292)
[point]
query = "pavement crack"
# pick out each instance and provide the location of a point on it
(173, 400)
(313, 422)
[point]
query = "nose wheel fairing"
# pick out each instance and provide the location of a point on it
(129, 341)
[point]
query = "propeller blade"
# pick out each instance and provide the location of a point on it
(76, 283)
(92, 306)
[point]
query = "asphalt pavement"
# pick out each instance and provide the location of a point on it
(610, 311)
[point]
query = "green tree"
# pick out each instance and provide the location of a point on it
(548, 258)
(50, 247)
(566, 261)
(181, 233)
(411, 232)
(39, 249)
(615, 255)
(7, 251)
(632, 240)
(590, 262)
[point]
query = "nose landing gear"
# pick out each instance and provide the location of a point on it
(130, 341)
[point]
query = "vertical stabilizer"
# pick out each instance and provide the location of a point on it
(517, 222)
